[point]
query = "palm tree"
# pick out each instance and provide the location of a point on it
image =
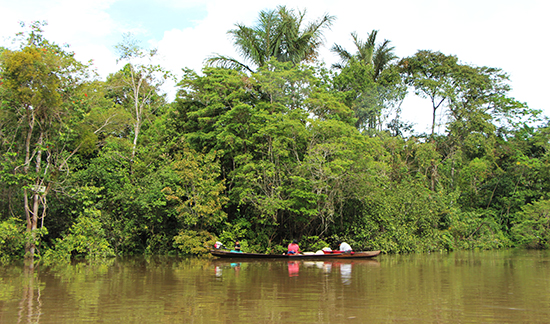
(367, 52)
(367, 95)
(279, 35)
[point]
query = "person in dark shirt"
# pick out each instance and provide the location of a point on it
(237, 247)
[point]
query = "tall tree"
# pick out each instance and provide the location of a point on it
(41, 82)
(431, 76)
(279, 34)
(140, 80)
(372, 88)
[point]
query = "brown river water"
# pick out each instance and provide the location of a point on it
(510, 286)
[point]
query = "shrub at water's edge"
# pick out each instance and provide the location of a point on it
(86, 239)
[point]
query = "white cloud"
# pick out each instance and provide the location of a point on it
(83, 25)
(499, 33)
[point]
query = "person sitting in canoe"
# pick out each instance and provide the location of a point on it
(237, 247)
(293, 248)
(344, 247)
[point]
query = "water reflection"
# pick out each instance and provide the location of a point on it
(293, 268)
(345, 273)
(325, 266)
(344, 267)
(235, 266)
(438, 288)
(30, 303)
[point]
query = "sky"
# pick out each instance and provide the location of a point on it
(507, 34)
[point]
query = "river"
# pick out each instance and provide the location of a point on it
(511, 286)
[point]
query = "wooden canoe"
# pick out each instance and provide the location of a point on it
(334, 255)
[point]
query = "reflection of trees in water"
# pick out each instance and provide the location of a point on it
(157, 291)
(30, 306)
(177, 288)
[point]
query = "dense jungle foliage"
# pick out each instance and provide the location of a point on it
(266, 150)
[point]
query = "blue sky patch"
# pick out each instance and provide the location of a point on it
(154, 17)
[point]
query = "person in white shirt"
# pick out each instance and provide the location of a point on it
(345, 247)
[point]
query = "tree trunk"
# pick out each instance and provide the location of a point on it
(434, 106)
(137, 81)
(31, 213)
(28, 214)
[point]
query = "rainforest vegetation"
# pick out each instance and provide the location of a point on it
(264, 148)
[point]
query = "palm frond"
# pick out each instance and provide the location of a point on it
(367, 52)
(226, 63)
